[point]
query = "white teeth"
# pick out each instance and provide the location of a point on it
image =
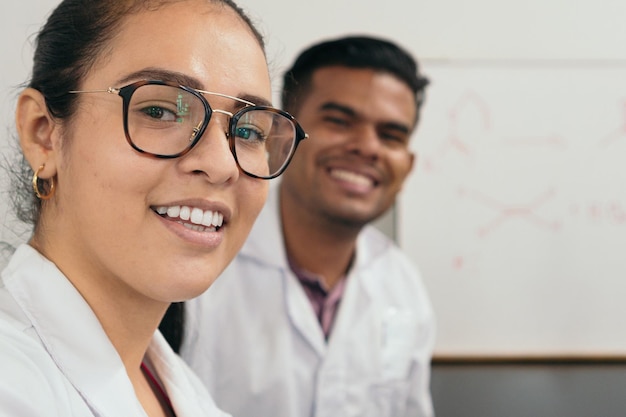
(173, 211)
(351, 177)
(192, 217)
(218, 219)
(185, 213)
(207, 218)
(196, 216)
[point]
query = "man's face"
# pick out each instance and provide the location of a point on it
(357, 158)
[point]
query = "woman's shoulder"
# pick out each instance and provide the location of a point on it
(31, 384)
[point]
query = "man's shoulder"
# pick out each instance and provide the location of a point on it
(375, 246)
(387, 271)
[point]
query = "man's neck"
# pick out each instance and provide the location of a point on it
(317, 246)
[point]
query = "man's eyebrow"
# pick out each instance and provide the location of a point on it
(182, 79)
(331, 105)
(400, 127)
(349, 111)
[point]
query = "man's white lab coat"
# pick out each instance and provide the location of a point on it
(255, 341)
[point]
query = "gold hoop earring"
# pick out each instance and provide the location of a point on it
(51, 185)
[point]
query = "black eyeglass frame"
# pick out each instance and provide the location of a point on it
(126, 92)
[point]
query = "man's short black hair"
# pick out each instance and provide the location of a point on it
(359, 52)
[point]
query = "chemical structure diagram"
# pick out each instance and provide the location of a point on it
(469, 106)
(468, 121)
(471, 142)
(506, 212)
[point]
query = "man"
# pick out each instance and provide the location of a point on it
(320, 314)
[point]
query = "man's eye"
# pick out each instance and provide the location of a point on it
(337, 121)
(394, 138)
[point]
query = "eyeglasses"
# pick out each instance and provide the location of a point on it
(166, 120)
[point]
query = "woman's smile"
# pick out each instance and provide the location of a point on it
(193, 218)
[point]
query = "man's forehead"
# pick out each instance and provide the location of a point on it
(363, 93)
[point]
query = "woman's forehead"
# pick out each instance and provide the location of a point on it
(215, 47)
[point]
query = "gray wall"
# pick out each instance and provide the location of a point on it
(535, 390)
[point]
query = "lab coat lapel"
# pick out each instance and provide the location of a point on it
(301, 313)
(266, 229)
(390, 329)
(72, 335)
(175, 377)
(357, 302)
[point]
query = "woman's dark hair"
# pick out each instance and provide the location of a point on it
(360, 52)
(73, 39)
(172, 325)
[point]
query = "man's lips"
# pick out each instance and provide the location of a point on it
(360, 180)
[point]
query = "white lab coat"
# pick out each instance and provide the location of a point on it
(255, 341)
(56, 360)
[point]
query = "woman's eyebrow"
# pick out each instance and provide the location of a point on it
(161, 75)
(259, 101)
(182, 79)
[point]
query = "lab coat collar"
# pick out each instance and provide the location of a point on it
(371, 245)
(360, 292)
(71, 333)
(268, 229)
(266, 246)
(360, 285)
(176, 379)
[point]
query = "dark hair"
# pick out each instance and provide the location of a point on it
(73, 39)
(352, 52)
(172, 325)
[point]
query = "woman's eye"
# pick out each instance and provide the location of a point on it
(249, 134)
(159, 113)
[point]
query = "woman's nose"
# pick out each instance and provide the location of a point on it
(212, 155)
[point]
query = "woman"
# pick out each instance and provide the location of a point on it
(148, 136)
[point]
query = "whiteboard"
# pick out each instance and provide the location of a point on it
(516, 213)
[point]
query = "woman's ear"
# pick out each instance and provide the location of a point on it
(35, 127)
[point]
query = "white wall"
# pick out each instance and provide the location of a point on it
(452, 29)
(517, 212)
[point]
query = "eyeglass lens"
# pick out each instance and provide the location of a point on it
(166, 120)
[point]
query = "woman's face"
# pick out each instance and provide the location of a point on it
(102, 227)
